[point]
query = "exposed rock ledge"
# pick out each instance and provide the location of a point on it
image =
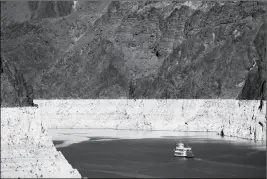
(237, 118)
(26, 149)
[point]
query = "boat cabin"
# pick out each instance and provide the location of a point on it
(180, 145)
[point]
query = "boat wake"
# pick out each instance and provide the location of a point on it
(228, 164)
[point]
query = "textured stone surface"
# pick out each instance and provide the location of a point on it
(163, 49)
(14, 90)
(127, 49)
(26, 149)
(235, 118)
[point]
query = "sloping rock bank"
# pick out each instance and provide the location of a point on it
(26, 149)
(236, 118)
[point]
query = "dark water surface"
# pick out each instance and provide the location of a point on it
(154, 158)
(56, 142)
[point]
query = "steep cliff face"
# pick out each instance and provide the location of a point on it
(220, 52)
(14, 90)
(148, 49)
(32, 10)
(235, 118)
(27, 151)
(255, 84)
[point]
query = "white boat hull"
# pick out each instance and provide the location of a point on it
(179, 154)
(183, 156)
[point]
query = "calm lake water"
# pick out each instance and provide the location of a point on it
(153, 157)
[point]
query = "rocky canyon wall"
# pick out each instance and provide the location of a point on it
(236, 118)
(138, 49)
(27, 151)
(14, 89)
(126, 49)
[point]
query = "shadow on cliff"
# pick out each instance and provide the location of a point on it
(211, 51)
(14, 90)
(255, 84)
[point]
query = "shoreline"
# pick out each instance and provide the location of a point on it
(236, 118)
(27, 149)
(73, 136)
(29, 125)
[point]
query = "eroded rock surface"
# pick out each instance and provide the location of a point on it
(27, 151)
(15, 92)
(163, 49)
(237, 118)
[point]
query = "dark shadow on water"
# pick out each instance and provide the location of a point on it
(56, 142)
